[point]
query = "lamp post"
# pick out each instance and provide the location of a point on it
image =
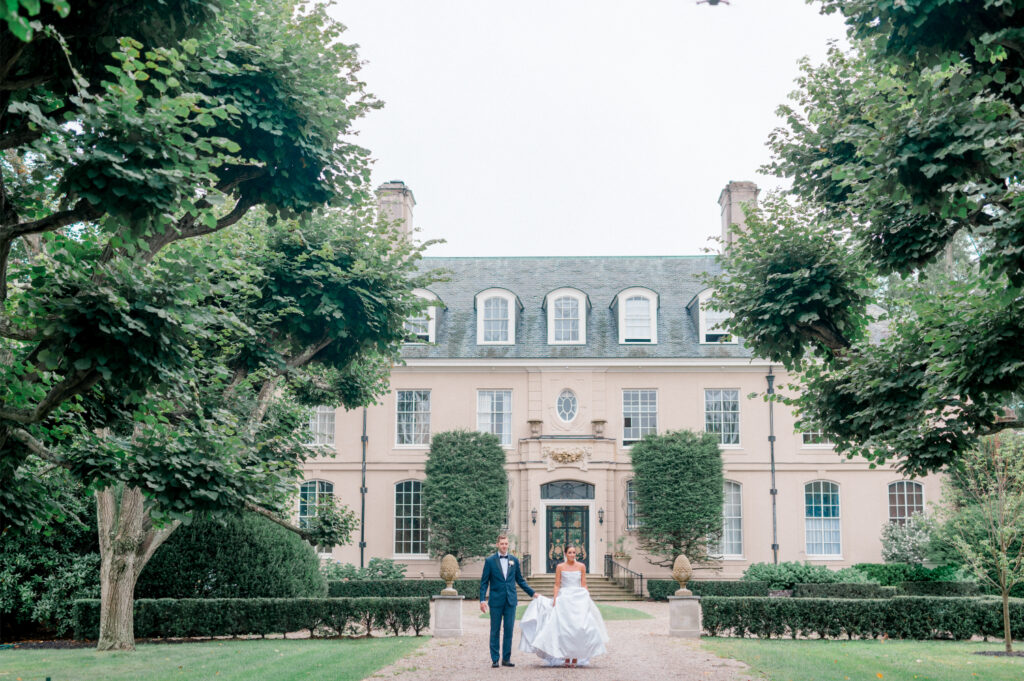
(771, 456)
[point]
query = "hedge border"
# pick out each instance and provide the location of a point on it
(661, 589)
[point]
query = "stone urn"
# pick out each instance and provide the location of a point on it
(682, 572)
(449, 573)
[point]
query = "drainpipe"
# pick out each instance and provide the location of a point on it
(771, 454)
(362, 494)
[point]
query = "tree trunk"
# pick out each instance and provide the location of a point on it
(1007, 636)
(127, 540)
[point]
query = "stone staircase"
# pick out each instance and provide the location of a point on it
(601, 588)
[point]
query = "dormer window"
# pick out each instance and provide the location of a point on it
(637, 311)
(496, 317)
(712, 322)
(422, 325)
(567, 316)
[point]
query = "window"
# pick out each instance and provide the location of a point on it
(631, 519)
(821, 519)
(312, 493)
(567, 406)
(637, 315)
(567, 489)
(815, 438)
(567, 316)
(639, 415)
(722, 415)
(410, 527)
(413, 417)
(496, 317)
(732, 520)
(494, 414)
(711, 321)
(905, 499)
(421, 326)
(321, 427)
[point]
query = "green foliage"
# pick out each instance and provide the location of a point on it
(42, 573)
(464, 493)
(685, 468)
(900, 151)
(246, 556)
(388, 588)
(913, 617)
(376, 569)
(894, 574)
(943, 589)
(845, 590)
(180, 618)
(786, 574)
(661, 589)
(907, 543)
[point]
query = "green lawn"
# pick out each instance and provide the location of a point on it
(273, 660)
(781, 660)
(609, 612)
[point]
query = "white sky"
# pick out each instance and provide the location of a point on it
(576, 127)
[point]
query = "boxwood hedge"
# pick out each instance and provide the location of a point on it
(390, 588)
(843, 590)
(661, 589)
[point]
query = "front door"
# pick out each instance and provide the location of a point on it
(567, 525)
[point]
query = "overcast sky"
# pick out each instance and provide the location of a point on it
(576, 127)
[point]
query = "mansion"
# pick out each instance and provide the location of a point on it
(570, 361)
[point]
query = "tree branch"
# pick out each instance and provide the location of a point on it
(37, 447)
(249, 506)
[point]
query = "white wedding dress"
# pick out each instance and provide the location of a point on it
(572, 628)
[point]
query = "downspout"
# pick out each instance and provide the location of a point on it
(362, 494)
(771, 454)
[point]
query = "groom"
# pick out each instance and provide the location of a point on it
(501, 574)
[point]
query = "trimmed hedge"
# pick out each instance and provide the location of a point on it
(910, 617)
(843, 590)
(892, 574)
(200, 617)
(661, 589)
(943, 589)
(394, 588)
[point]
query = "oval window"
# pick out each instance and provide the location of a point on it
(567, 406)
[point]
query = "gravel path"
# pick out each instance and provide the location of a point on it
(639, 650)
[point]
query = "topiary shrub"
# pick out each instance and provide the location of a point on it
(246, 556)
(843, 590)
(941, 589)
(785, 575)
(892, 574)
(661, 589)
(377, 568)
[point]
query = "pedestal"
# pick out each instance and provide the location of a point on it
(684, 616)
(447, 621)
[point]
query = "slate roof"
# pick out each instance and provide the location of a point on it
(674, 278)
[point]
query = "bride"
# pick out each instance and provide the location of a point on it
(567, 629)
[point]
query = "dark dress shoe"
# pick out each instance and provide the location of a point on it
(508, 663)
(494, 665)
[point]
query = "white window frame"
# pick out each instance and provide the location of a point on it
(632, 522)
(630, 442)
(738, 487)
(576, 402)
(488, 417)
(808, 520)
(430, 316)
(323, 488)
(395, 518)
(582, 306)
(739, 420)
(807, 437)
(652, 301)
(706, 318)
(398, 399)
(321, 436)
(898, 520)
(513, 311)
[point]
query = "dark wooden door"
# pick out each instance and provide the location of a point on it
(567, 525)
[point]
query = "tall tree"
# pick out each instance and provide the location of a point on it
(898, 150)
(465, 493)
(678, 482)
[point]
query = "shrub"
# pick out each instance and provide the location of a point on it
(377, 568)
(246, 556)
(381, 588)
(661, 589)
(892, 574)
(941, 589)
(843, 590)
(898, 617)
(906, 543)
(785, 575)
(191, 617)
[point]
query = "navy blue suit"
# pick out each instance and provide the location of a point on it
(502, 600)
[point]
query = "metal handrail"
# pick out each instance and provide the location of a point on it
(624, 577)
(526, 565)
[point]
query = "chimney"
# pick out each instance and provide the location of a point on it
(732, 199)
(394, 204)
